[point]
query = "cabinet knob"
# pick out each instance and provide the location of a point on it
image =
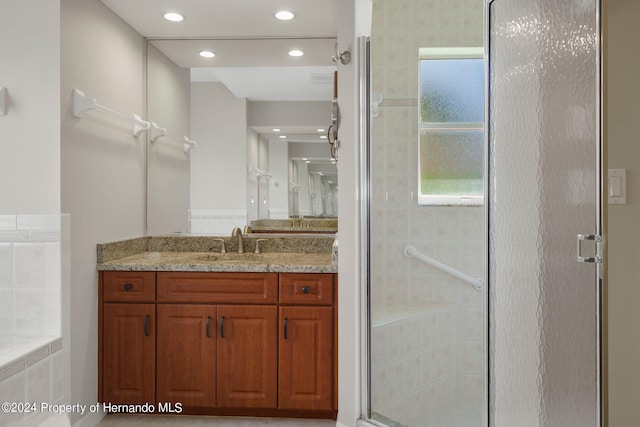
(128, 286)
(305, 289)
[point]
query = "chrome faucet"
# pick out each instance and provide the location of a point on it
(237, 232)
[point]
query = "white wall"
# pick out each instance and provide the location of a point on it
(623, 249)
(263, 210)
(303, 194)
(168, 105)
(103, 164)
(289, 113)
(253, 162)
(219, 124)
(279, 183)
(354, 20)
(29, 69)
(219, 170)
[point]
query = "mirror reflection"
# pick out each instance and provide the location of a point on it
(260, 121)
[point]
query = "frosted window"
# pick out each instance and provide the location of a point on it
(451, 90)
(451, 131)
(451, 161)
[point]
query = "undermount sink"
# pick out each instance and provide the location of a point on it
(230, 257)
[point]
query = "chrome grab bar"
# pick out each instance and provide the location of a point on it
(412, 252)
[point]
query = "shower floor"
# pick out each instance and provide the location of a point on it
(457, 413)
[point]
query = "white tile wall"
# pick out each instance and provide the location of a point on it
(33, 365)
(413, 356)
(451, 361)
(30, 271)
(219, 222)
(38, 377)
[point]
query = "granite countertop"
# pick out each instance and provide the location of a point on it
(230, 262)
(197, 253)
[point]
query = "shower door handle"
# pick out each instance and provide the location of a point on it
(597, 259)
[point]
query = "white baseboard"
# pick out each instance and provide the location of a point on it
(365, 423)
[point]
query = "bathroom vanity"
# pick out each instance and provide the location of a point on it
(220, 333)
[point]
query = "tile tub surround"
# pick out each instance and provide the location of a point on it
(414, 356)
(36, 376)
(30, 276)
(304, 254)
(34, 367)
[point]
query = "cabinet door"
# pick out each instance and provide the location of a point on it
(186, 354)
(306, 358)
(128, 361)
(247, 356)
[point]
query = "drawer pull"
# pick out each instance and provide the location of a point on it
(146, 325)
(285, 327)
(305, 289)
(127, 287)
(222, 327)
(207, 326)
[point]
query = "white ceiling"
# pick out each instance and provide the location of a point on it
(228, 18)
(250, 44)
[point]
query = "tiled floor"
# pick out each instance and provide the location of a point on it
(126, 420)
(462, 413)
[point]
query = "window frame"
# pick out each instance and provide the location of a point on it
(444, 199)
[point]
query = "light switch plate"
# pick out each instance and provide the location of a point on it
(617, 186)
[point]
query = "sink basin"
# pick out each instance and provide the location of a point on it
(230, 257)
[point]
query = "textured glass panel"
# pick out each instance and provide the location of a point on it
(451, 162)
(543, 150)
(451, 90)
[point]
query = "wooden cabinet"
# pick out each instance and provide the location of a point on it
(247, 356)
(306, 358)
(127, 337)
(306, 350)
(129, 349)
(258, 344)
(186, 371)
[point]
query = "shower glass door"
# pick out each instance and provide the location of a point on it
(427, 327)
(545, 175)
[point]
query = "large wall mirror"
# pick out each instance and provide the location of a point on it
(258, 112)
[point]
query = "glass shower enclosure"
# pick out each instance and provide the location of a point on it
(483, 309)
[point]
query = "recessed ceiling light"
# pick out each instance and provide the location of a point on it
(320, 130)
(276, 130)
(173, 17)
(308, 161)
(296, 52)
(323, 136)
(305, 159)
(284, 15)
(207, 54)
(283, 136)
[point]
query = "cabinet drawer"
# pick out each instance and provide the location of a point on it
(306, 288)
(129, 286)
(241, 288)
